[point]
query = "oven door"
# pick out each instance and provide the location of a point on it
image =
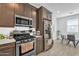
(26, 47)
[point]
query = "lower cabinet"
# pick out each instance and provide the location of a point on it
(39, 45)
(7, 49)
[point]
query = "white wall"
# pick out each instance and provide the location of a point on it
(54, 27)
(62, 23)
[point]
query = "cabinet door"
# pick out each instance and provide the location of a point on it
(20, 9)
(28, 11)
(34, 17)
(8, 52)
(39, 45)
(6, 15)
(45, 13)
(7, 49)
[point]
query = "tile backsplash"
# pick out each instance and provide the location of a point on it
(21, 28)
(6, 30)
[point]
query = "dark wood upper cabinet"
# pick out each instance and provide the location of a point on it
(39, 21)
(20, 9)
(34, 17)
(6, 15)
(28, 10)
(46, 13)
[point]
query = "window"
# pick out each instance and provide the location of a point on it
(72, 25)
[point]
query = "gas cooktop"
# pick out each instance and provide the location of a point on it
(19, 37)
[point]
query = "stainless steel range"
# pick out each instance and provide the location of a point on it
(25, 44)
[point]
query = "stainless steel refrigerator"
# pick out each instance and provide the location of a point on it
(47, 34)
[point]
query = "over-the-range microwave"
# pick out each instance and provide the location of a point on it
(22, 21)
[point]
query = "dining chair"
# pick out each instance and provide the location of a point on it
(71, 38)
(62, 38)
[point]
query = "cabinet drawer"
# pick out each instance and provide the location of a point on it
(7, 49)
(7, 52)
(7, 46)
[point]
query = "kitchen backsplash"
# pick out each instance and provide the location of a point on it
(21, 28)
(7, 30)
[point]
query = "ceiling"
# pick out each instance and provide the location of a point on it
(60, 9)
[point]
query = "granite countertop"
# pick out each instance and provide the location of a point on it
(5, 41)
